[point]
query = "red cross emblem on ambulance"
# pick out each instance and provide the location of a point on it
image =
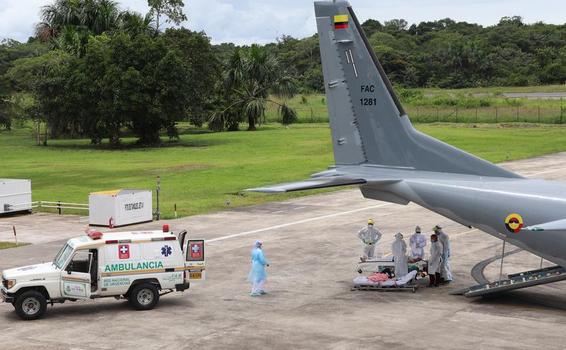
(124, 251)
(196, 250)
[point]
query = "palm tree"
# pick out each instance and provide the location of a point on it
(97, 16)
(66, 23)
(134, 23)
(72, 40)
(253, 75)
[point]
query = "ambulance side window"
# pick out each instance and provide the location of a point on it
(80, 262)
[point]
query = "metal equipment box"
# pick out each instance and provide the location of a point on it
(120, 207)
(15, 195)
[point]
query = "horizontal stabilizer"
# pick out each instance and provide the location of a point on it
(309, 185)
(559, 225)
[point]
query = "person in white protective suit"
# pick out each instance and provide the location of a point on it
(446, 270)
(399, 249)
(369, 237)
(418, 243)
(435, 261)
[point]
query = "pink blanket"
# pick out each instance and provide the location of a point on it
(378, 277)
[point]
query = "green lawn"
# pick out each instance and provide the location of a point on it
(501, 89)
(8, 245)
(453, 105)
(204, 170)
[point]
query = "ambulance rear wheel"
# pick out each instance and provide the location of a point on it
(144, 296)
(30, 305)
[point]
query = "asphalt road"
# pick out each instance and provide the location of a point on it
(312, 246)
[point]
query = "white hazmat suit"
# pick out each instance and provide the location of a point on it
(417, 242)
(446, 271)
(369, 237)
(399, 249)
(435, 260)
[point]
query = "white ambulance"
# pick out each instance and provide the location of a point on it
(139, 266)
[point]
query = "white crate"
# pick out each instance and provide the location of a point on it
(15, 195)
(122, 207)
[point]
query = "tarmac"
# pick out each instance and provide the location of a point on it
(313, 249)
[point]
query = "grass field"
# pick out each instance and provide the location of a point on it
(500, 89)
(205, 170)
(475, 105)
(8, 245)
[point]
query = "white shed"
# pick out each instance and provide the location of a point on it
(15, 195)
(120, 207)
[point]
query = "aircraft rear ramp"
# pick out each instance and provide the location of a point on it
(517, 281)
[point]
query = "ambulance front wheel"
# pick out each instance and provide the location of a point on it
(30, 305)
(144, 296)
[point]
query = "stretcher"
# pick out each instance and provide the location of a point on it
(378, 264)
(381, 264)
(405, 283)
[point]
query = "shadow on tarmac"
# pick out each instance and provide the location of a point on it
(526, 299)
(109, 307)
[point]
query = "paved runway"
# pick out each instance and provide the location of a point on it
(312, 245)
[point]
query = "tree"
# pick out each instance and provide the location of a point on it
(144, 83)
(204, 71)
(512, 21)
(252, 75)
(5, 120)
(11, 104)
(94, 16)
(173, 9)
(67, 24)
(134, 23)
(371, 26)
(395, 25)
(45, 78)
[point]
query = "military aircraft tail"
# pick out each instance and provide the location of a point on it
(368, 122)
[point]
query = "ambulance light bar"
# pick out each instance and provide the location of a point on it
(94, 235)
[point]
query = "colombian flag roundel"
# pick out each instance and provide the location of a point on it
(341, 22)
(514, 223)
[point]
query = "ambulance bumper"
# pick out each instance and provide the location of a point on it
(7, 298)
(182, 287)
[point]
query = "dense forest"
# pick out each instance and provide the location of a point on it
(448, 54)
(93, 70)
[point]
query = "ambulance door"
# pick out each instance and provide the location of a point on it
(195, 261)
(182, 236)
(75, 278)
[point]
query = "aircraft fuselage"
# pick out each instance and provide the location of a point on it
(499, 206)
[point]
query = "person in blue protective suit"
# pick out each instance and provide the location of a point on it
(257, 274)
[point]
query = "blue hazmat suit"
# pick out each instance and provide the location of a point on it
(258, 273)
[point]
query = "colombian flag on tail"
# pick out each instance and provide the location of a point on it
(341, 22)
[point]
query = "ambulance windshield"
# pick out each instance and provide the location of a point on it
(62, 256)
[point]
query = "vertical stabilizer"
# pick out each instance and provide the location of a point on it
(369, 125)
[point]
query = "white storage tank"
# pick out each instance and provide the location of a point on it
(15, 195)
(120, 207)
